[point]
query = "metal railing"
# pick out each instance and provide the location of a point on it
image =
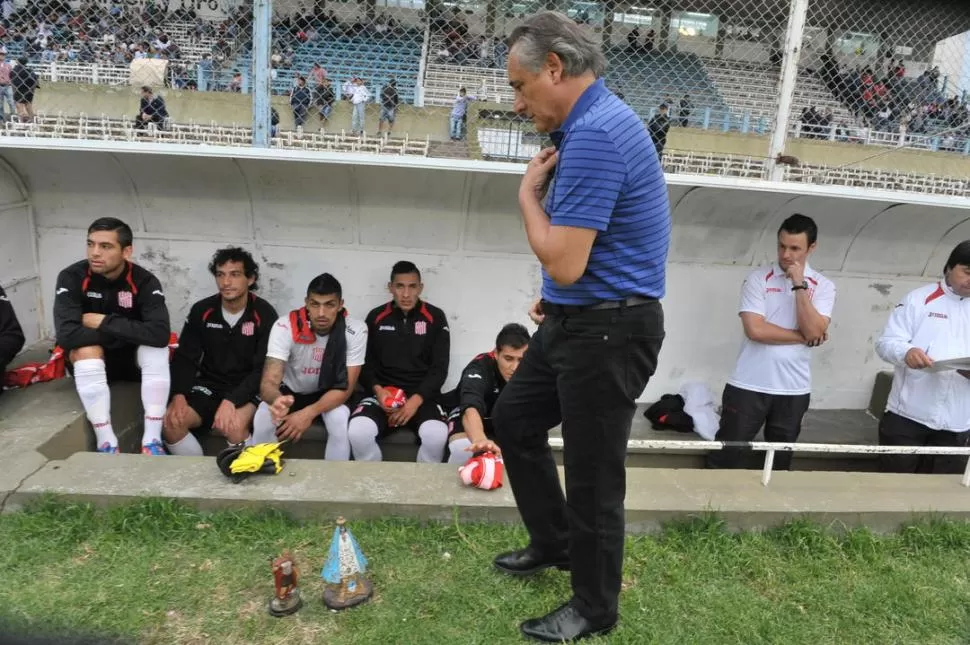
(770, 448)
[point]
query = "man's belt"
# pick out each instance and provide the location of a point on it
(553, 309)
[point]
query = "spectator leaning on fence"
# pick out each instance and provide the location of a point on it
(929, 406)
(324, 98)
(389, 103)
(659, 127)
(359, 96)
(6, 90)
(25, 82)
(151, 109)
(459, 115)
(300, 101)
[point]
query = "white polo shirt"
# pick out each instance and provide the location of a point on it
(778, 369)
(302, 370)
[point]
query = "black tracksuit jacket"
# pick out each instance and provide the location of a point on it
(410, 351)
(134, 308)
(225, 359)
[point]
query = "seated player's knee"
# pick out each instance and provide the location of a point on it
(174, 433)
(337, 420)
(85, 353)
(361, 429)
(153, 361)
(246, 412)
(455, 437)
(433, 429)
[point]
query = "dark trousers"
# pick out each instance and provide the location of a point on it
(586, 371)
(743, 412)
(896, 430)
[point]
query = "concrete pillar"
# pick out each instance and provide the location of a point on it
(262, 42)
(663, 30)
(491, 9)
(609, 8)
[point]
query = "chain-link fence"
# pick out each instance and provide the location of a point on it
(78, 69)
(428, 77)
(889, 74)
(675, 67)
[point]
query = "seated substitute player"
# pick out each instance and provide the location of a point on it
(219, 361)
(11, 335)
(408, 348)
(111, 319)
(312, 365)
(470, 422)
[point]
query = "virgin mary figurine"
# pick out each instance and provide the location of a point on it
(343, 574)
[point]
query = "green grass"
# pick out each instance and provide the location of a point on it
(157, 572)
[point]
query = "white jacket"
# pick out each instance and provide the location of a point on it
(936, 320)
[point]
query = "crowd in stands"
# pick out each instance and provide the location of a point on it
(881, 96)
(884, 100)
(456, 45)
(52, 31)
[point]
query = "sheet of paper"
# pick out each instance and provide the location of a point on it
(950, 364)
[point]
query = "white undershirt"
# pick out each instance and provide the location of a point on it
(232, 319)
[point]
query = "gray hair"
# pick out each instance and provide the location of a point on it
(550, 32)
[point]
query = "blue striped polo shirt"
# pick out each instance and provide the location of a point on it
(608, 178)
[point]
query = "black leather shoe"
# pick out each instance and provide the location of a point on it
(528, 561)
(564, 625)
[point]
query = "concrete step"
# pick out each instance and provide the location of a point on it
(320, 489)
(449, 149)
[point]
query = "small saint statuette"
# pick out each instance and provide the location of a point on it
(287, 599)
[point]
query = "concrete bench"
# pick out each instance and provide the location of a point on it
(48, 418)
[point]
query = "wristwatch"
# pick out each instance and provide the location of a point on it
(803, 285)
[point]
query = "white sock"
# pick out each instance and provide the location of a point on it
(458, 454)
(188, 446)
(264, 430)
(155, 381)
(362, 433)
(338, 444)
(434, 436)
(91, 382)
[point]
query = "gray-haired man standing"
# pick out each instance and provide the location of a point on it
(597, 217)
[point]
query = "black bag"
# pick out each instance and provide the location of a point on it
(668, 414)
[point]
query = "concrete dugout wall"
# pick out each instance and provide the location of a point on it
(461, 225)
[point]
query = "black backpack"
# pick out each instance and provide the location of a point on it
(668, 414)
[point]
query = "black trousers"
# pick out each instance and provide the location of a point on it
(896, 430)
(586, 371)
(743, 412)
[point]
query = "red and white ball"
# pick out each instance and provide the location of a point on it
(484, 470)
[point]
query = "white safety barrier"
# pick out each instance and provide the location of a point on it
(644, 445)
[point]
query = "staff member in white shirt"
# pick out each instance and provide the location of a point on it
(928, 408)
(785, 310)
